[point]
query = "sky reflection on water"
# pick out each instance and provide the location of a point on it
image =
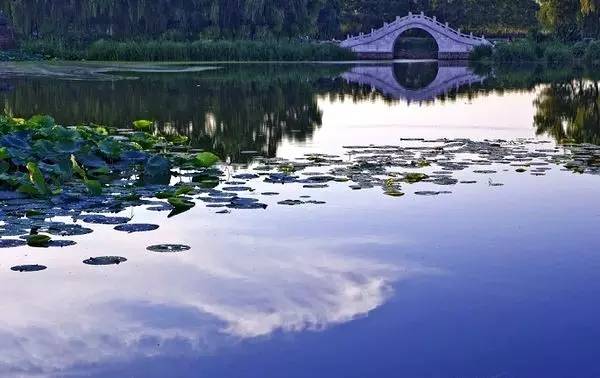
(487, 281)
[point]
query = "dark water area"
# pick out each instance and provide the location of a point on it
(488, 268)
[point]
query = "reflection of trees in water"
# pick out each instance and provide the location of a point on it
(228, 110)
(569, 111)
(254, 107)
(415, 76)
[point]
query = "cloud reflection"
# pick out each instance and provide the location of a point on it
(195, 304)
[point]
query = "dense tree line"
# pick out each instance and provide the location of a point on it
(249, 19)
(172, 18)
(479, 16)
(570, 19)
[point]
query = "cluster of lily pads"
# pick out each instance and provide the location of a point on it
(48, 170)
(88, 173)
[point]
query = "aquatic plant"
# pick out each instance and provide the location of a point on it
(414, 177)
(40, 159)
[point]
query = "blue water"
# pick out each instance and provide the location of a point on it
(484, 282)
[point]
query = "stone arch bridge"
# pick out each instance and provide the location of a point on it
(379, 44)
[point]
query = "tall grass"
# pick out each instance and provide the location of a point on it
(222, 50)
(550, 52)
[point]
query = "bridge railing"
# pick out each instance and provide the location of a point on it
(386, 26)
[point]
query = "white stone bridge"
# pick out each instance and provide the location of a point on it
(383, 79)
(379, 44)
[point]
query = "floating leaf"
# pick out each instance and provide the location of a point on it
(184, 189)
(11, 243)
(28, 268)
(414, 177)
(40, 241)
(68, 230)
(168, 248)
(103, 219)
(180, 205)
(105, 260)
(136, 227)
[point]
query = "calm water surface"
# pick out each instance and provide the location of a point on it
(484, 282)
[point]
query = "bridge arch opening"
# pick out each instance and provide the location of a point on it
(414, 76)
(415, 43)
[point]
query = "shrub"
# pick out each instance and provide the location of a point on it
(520, 51)
(579, 49)
(592, 53)
(557, 54)
(482, 52)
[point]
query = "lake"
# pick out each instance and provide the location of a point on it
(416, 219)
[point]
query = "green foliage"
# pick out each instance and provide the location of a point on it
(201, 50)
(180, 205)
(592, 53)
(519, 51)
(414, 177)
(569, 111)
(490, 17)
(482, 53)
(579, 49)
(38, 185)
(206, 159)
(85, 20)
(81, 159)
(37, 240)
(558, 54)
(73, 24)
(94, 187)
(143, 125)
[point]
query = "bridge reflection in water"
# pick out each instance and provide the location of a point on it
(414, 81)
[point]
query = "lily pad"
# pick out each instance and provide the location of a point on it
(246, 204)
(105, 260)
(38, 241)
(237, 189)
(414, 177)
(68, 230)
(168, 248)
(246, 176)
(431, 193)
(12, 243)
(28, 268)
(290, 202)
(136, 227)
(103, 219)
(61, 243)
(180, 205)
